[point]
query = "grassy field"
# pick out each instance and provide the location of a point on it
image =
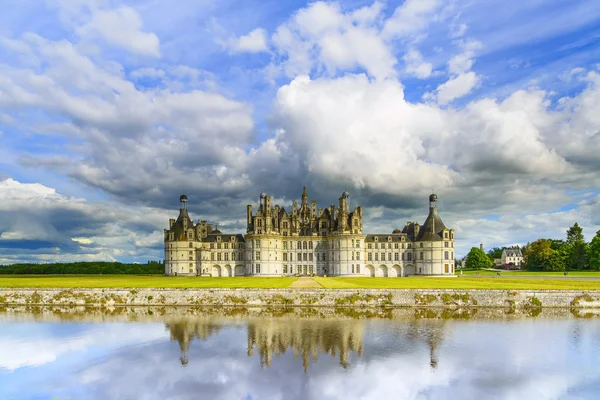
(135, 281)
(456, 283)
(531, 273)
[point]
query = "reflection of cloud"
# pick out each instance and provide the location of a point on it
(476, 359)
(34, 348)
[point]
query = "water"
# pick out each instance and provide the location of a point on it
(254, 354)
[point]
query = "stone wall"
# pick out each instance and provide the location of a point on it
(515, 299)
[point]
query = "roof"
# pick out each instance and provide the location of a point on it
(384, 237)
(225, 237)
(431, 230)
(512, 253)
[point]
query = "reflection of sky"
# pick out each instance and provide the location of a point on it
(528, 359)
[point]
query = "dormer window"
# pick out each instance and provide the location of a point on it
(233, 238)
(376, 239)
(445, 235)
(389, 238)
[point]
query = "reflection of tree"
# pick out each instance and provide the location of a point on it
(306, 338)
(185, 331)
(429, 331)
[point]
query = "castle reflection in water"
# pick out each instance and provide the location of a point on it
(307, 338)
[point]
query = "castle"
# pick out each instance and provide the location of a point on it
(306, 241)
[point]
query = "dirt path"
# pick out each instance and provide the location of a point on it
(305, 282)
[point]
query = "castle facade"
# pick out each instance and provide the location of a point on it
(307, 240)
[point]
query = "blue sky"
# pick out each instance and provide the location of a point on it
(109, 110)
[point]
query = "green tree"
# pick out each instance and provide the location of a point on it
(478, 259)
(545, 255)
(577, 248)
(594, 252)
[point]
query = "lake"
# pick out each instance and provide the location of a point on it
(298, 354)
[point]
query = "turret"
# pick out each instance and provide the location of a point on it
(249, 215)
(183, 200)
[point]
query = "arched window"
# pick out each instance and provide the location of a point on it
(305, 245)
(299, 244)
(310, 245)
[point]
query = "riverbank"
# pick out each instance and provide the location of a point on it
(448, 298)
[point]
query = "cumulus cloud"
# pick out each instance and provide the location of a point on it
(254, 42)
(456, 87)
(323, 36)
(415, 65)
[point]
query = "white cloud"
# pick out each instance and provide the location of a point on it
(411, 17)
(456, 87)
(415, 65)
(322, 36)
(121, 27)
(253, 42)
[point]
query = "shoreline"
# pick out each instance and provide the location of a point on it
(250, 297)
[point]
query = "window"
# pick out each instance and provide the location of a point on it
(226, 256)
(225, 245)
(257, 243)
(445, 255)
(352, 256)
(191, 244)
(421, 244)
(358, 255)
(370, 256)
(446, 237)
(395, 245)
(285, 268)
(358, 268)
(305, 245)
(212, 256)
(420, 255)
(240, 256)
(358, 244)
(352, 268)
(409, 257)
(285, 245)
(218, 256)
(452, 256)
(299, 245)
(389, 245)
(212, 245)
(258, 268)
(310, 245)
(190, 253)
(369, 246)
(310, 256)
(324, 256)
(285, 226)
(445, 244)
(396, 256)
(389, 256)
(284, 256)
(190, 258)
(318, 256)
(376, 246)
(299, 257)
(218, 245)
(382, 256)
(304, 258)
(409, 246)
(353, 246)
(376, 256)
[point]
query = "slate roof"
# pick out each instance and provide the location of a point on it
(431, 230)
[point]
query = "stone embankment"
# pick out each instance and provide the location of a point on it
(513, 299)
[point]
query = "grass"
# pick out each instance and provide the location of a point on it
(456, 283)
(530, 273)
(133, 281)
(136, 281)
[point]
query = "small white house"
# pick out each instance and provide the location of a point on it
(512, 256)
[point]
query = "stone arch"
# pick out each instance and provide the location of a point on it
(369, 270)
(409, 269)
(382, 271)
(216, 270)
(240, 270)
(227, 270)
(397, 270)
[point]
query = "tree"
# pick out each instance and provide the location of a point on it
(594, 252)
(577, 248)
(545, 255)
(477, 259)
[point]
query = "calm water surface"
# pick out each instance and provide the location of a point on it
(204, 357)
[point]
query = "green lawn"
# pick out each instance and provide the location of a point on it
(134, 281)
(530, 273)
(456, 283)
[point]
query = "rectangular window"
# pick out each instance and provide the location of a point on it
(284, 256)
(369, 246)
(445, 244)
(409, 257)
(358, 268)
(421, 255)
(226, 245)
(285, 269)
(376, 256)
(358, 244)
(395, 245)
(226, 256)
(305, 257)
(212, 256)
(352, 268)
(285, 245)
(446, 268)
(376, 246)
(218, 245)
(258, 268)
(218, 256)
(318, 256)
(310, 256)
(389, 245)
(396, 257)
(257, 256)
(212, 245)
(324, 256)
(257, 243)
(389, 256)
(445, 255)
(370, 256)
(353, 246)
(352, 256)
(358, 255)
(299, 257)
(382, 256)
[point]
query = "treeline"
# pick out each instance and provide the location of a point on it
(151, 268)
(571, 254)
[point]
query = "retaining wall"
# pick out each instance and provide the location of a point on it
(304, 297)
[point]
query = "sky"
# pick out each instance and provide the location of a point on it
(110, 110)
